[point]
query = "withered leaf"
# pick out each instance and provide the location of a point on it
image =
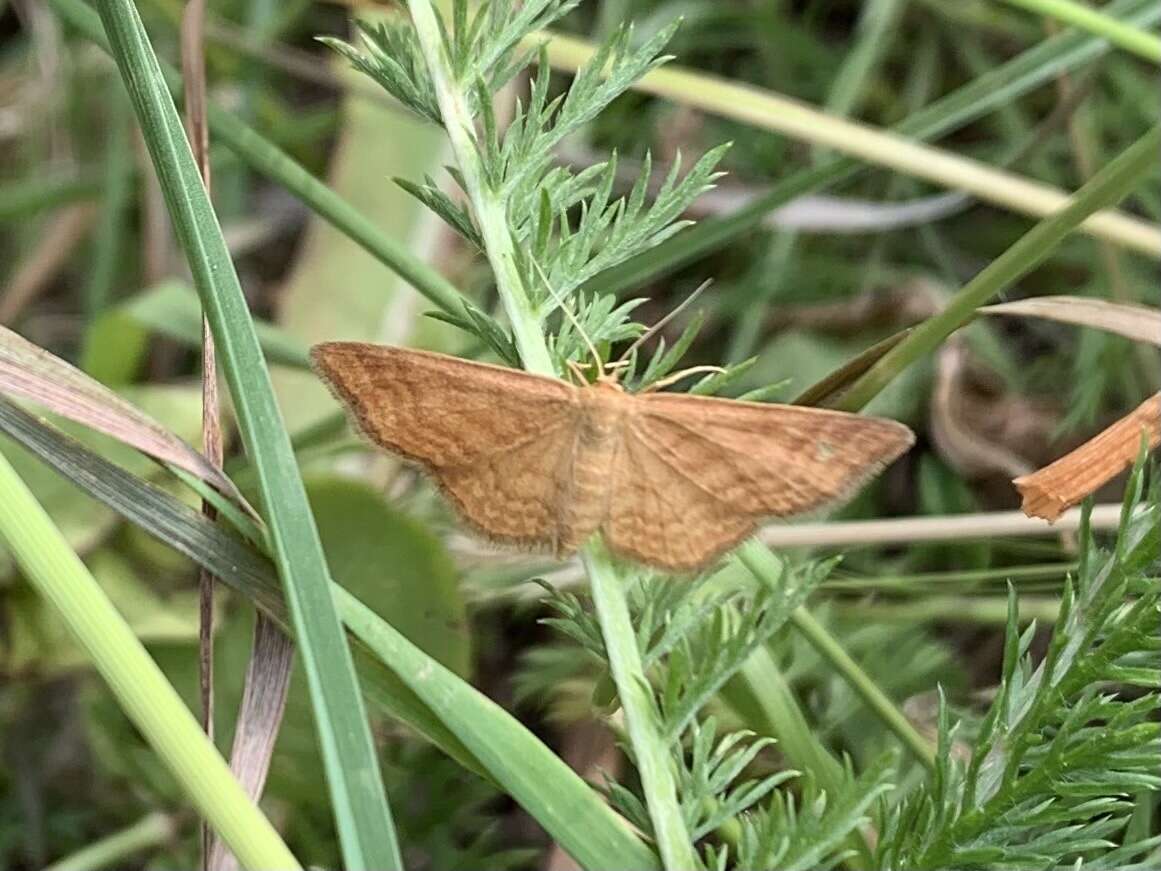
(1049, 491)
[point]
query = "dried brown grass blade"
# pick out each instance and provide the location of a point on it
(1137, 322)
(1064, 483)
(193, 64)
(29, 372)
(260, 713)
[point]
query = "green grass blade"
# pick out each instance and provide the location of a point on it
(362, 817)
(1108, 186)
(112, 225)
(151, 832)
(28, 196)
(171, 308)
(401, 679)
(539, 780)
(1132, 39)
(265, 157)
(147, 698)
(1035, 67)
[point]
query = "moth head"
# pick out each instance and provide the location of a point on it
(608, 374)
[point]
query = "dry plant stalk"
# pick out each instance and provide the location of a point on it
(671, 480)
(1064, 483)
(45, 261)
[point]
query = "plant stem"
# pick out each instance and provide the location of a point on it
(1139, 42)
(649, 748)
(755, 557)
(28, 196)
(58, 574)
(867, 689)
(491, 211)
(957, 609)
(641, 720)
(150, 831)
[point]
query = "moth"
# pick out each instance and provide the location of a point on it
(670, 480)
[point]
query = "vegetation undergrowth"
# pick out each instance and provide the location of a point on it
(752, 717)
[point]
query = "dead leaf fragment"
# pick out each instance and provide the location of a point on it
(1064, 483)
(29, 372)
(1137, 322)
(958, 418)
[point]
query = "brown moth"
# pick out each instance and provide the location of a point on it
(670, 480)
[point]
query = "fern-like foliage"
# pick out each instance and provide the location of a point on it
(807, 833)
(565, 226)
(694, 637)
(710, 650)
(1065, 740)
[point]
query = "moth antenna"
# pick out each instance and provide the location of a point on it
(657, 327)
(684, 373)
(568, 313)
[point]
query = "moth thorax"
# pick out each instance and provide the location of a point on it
(602, 407)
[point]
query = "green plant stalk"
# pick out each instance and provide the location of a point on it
(152, 830)
(957, 609)
(58, 574)
(867, 689)
(650, 751)
(649, 748)
(1139, 42)
(267, 158)
(755, 557)
(491, 211)
(760, 693)
(877, 23)
(118, 187)
(1108, 186)
(921, 583)
(362, 817)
